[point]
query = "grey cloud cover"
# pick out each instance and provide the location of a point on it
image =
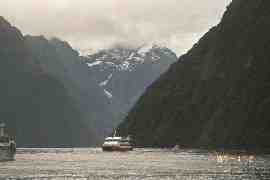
(94, 24)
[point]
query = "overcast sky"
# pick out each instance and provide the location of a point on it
(95, 24)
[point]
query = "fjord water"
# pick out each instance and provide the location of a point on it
(149, 164)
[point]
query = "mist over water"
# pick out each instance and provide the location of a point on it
(149, 164)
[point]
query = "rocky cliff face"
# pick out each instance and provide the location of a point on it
(216, 95)
(124, 73)
(35, 106)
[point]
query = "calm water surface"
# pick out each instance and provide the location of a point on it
(149, 164)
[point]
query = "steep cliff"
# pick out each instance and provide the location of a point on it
(34, 105)
(216, 95)
(57, 58)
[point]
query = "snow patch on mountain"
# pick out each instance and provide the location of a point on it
(108, 94)
(110, 63)
(104, 83)
(131, 56)
(155, 57)
(120, 61)
(124, 66)
(138, 59)
(143, 50)
(94, 63)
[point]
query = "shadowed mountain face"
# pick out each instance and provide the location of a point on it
(125, 73)
(58, 59)
(35, 106)
(51, 96)
(216, 95)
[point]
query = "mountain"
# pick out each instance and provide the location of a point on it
(124, 73)
(35, 106)
(52, 96)
(90, 83)
(59, 59)
(216, 95)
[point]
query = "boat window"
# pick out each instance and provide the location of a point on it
(111, 140)
(124, 140)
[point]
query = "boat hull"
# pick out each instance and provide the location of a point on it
(117, 148)
(6, 154)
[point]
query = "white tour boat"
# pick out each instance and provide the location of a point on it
(7, 145)
(117, 143)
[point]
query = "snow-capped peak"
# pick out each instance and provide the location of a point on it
(127, 59)
(108, 94)
(144, 49)
(111, 66)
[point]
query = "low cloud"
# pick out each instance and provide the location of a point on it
(95, 24)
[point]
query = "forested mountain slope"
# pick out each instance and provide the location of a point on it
(216, 95)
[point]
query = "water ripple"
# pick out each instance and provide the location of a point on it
(148, 164)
